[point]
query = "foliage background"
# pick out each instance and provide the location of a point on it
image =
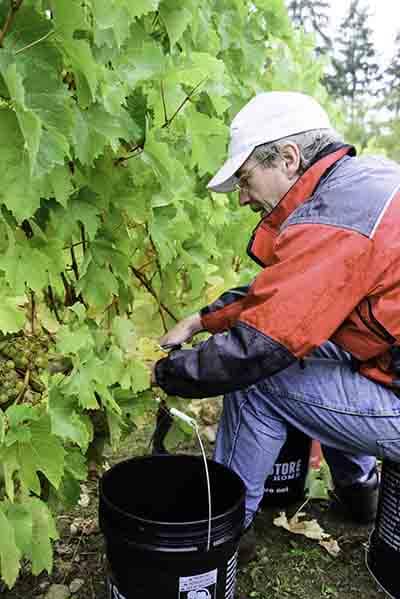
(113, 116)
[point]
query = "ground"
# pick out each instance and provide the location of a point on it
(287, 566)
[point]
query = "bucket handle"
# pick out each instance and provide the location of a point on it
(193, 424)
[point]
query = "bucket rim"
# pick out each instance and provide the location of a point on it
(103, 498)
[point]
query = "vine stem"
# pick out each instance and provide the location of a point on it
(41, 39)
(74, 264)
(155, 254)
(14, 7)
(53, 304)
(33, 312)
(163, 101)
(136, 151)
(182, 104)
(140, 276)
(25, 387)
(83, 236)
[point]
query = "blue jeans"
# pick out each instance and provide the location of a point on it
(354, 418)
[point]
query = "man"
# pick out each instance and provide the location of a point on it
(313, 340)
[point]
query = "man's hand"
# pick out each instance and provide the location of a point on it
(183, 331)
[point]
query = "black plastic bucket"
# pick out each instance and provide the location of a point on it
(383, 554)
(153, 513)
(286, 484)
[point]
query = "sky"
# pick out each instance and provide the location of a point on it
(384, 21)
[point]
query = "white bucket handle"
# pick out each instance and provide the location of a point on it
(193, 424)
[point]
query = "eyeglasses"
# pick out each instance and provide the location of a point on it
(243, 181)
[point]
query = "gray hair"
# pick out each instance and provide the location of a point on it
(310, 144)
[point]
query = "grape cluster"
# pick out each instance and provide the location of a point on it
(11, 384)
(18, 355)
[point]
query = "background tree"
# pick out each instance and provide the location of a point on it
(355, 71)
(312, 16)
(391, 91)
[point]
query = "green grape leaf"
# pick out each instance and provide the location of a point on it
(143, 61)
(70, 342)
(98, 285)
(141, 7)
(110, 15)
(139, 376)
(18, 192)
(81, 383)
(134, 407)
(43, 531)
(113, 365)
(124, 333)
(21, 435)
(44, 453)
(10, 555)
(114, 426)
(95, 128)
(107, 398)
(176, 18)
(209, 139)
(10, 465)
(66, 422)
(2, 427)
(86, 70)
(85, 208)
(20, 414)
(20, 518)
(200, 67)
(69, 16)
(12, 317)
(75, 463)
(25, 265)
(30, 123)
(69, 490)
(53, 151)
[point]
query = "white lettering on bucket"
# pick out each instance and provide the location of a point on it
(200, 586)
(114, 592)
(287, 471)
(231, 577)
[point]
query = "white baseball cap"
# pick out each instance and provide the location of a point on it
(268, 117)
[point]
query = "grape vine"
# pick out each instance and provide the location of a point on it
(113, 116)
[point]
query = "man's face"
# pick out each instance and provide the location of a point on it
(263, 186)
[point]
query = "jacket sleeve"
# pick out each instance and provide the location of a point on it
(319, 274)
(221, 314)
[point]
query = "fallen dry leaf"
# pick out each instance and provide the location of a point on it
(332, 546)
(308, 528)
(210, 432)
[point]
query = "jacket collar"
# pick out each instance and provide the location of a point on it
(304, 187)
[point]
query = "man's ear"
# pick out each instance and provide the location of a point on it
(290, 154)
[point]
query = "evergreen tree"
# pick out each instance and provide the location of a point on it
(312, 16)
(392, 81)
(355, 72)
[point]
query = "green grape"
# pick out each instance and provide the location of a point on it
(23, 362)
(42, 362)
(3, 398)
(10, 364)
(19, 386)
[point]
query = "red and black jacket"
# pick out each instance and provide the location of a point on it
(330, 253)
